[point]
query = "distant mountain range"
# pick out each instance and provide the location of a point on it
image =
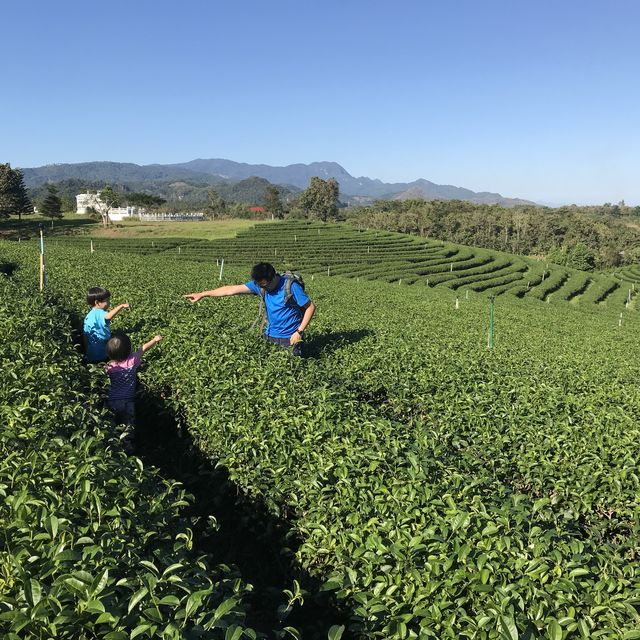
(214, 171)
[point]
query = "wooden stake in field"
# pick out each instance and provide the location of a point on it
(466, 294)
(328, 270)
(91, 249)
(43, 275)
(451, 268)
(620, 321)
(457, 303)
(221, 269)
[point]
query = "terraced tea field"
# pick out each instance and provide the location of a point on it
(436, 489)
(342, 250)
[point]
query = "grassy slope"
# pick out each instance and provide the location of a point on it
(205, 230)
(72, 223)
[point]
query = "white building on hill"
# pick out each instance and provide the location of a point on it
(87, 201)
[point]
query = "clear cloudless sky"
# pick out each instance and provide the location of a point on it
(538, 100)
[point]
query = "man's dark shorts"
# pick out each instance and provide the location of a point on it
(284, 342)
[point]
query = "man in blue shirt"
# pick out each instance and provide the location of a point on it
(287, 318)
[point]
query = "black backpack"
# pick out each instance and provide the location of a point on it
(290, 277)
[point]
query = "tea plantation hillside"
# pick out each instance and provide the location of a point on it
(435, 488)
(340, 249)
(93, 544)
(628, 274)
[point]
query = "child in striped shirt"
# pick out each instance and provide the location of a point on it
(121, 369)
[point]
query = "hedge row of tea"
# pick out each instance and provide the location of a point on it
(439, 490)
(92, 543)
(340, 249)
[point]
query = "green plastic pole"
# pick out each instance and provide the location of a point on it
(490, 344)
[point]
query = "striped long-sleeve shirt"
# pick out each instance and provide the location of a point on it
(122, 375)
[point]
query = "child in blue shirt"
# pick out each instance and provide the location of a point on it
(96, 323)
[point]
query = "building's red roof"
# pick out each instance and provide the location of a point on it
(256, 209)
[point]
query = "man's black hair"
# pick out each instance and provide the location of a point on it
(118, 346)
(97, 294)
(263, 271)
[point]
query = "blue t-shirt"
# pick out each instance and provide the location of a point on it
(283, 320)
(97, 333)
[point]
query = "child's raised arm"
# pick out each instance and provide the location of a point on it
(147, 345)
(116, 310)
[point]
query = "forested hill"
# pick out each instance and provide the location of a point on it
(215, 171)
(179, 194)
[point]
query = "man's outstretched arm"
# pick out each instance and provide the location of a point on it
(227, 290)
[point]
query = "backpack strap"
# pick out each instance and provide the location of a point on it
(262, 314)
(288, 282)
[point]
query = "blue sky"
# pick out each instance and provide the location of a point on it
(537, 100)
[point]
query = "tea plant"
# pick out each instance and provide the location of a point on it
(340, 249)
(93, 544)
(440, 490)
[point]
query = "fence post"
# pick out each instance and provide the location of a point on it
(43, 277)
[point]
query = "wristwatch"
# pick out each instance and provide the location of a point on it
(300, 332)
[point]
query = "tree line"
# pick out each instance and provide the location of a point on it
(237, 200)
(580, 237)
(15, 199)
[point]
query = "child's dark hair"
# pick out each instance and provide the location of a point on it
(263, 271)
(97, 294)
(118, 346)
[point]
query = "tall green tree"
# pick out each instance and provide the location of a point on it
(24, 206)
(320, 200)
(14, 199)
(581, 257)
(216, 206)
(108, 200)
(273, 203)
(51, 206)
